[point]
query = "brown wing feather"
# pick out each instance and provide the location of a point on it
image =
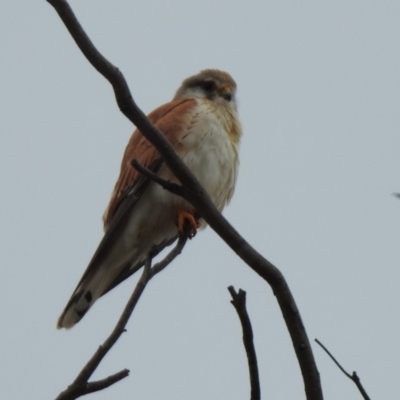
(169, 119)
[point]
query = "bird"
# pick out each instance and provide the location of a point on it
(202, 124)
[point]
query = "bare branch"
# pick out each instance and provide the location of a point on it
(333, 358)
(96, 386)
(170, 186)
(201, 201)
(170, 256)
(239, 302)
(354, 377)
(81, 386)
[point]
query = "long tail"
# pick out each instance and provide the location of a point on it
(84, 296)
(99, 278)
(92, 286)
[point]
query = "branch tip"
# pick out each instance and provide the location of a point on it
(239, 303)
(354, 377)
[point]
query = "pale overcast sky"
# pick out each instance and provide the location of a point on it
(319, 97)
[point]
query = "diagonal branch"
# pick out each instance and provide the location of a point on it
(239, 302)
(354, 377)
(201, 201)
(81, 385)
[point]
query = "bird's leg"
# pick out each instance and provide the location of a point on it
(187, 224)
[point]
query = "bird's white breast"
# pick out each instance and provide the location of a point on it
(210, 149)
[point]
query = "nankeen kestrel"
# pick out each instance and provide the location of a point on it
(202, 124)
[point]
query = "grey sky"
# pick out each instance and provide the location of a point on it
(319, 101)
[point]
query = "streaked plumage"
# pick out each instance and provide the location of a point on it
(202, 124)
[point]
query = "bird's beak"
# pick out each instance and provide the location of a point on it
(226, 93)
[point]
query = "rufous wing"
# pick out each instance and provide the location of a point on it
(172, 120)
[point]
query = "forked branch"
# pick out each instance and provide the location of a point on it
(81, 385)
(354, 377)
(239, 302)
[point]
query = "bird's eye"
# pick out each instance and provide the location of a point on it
(208, 85)
(227, 96)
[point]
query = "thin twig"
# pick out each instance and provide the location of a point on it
(333, 358)
(239, 302)
(170, 186)
(81, 386)
(354, 377)
(96, 386)
(201, 201)
(157, 268)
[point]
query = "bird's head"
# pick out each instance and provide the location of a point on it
(211, 84)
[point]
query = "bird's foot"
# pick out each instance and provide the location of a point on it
(187, 224)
